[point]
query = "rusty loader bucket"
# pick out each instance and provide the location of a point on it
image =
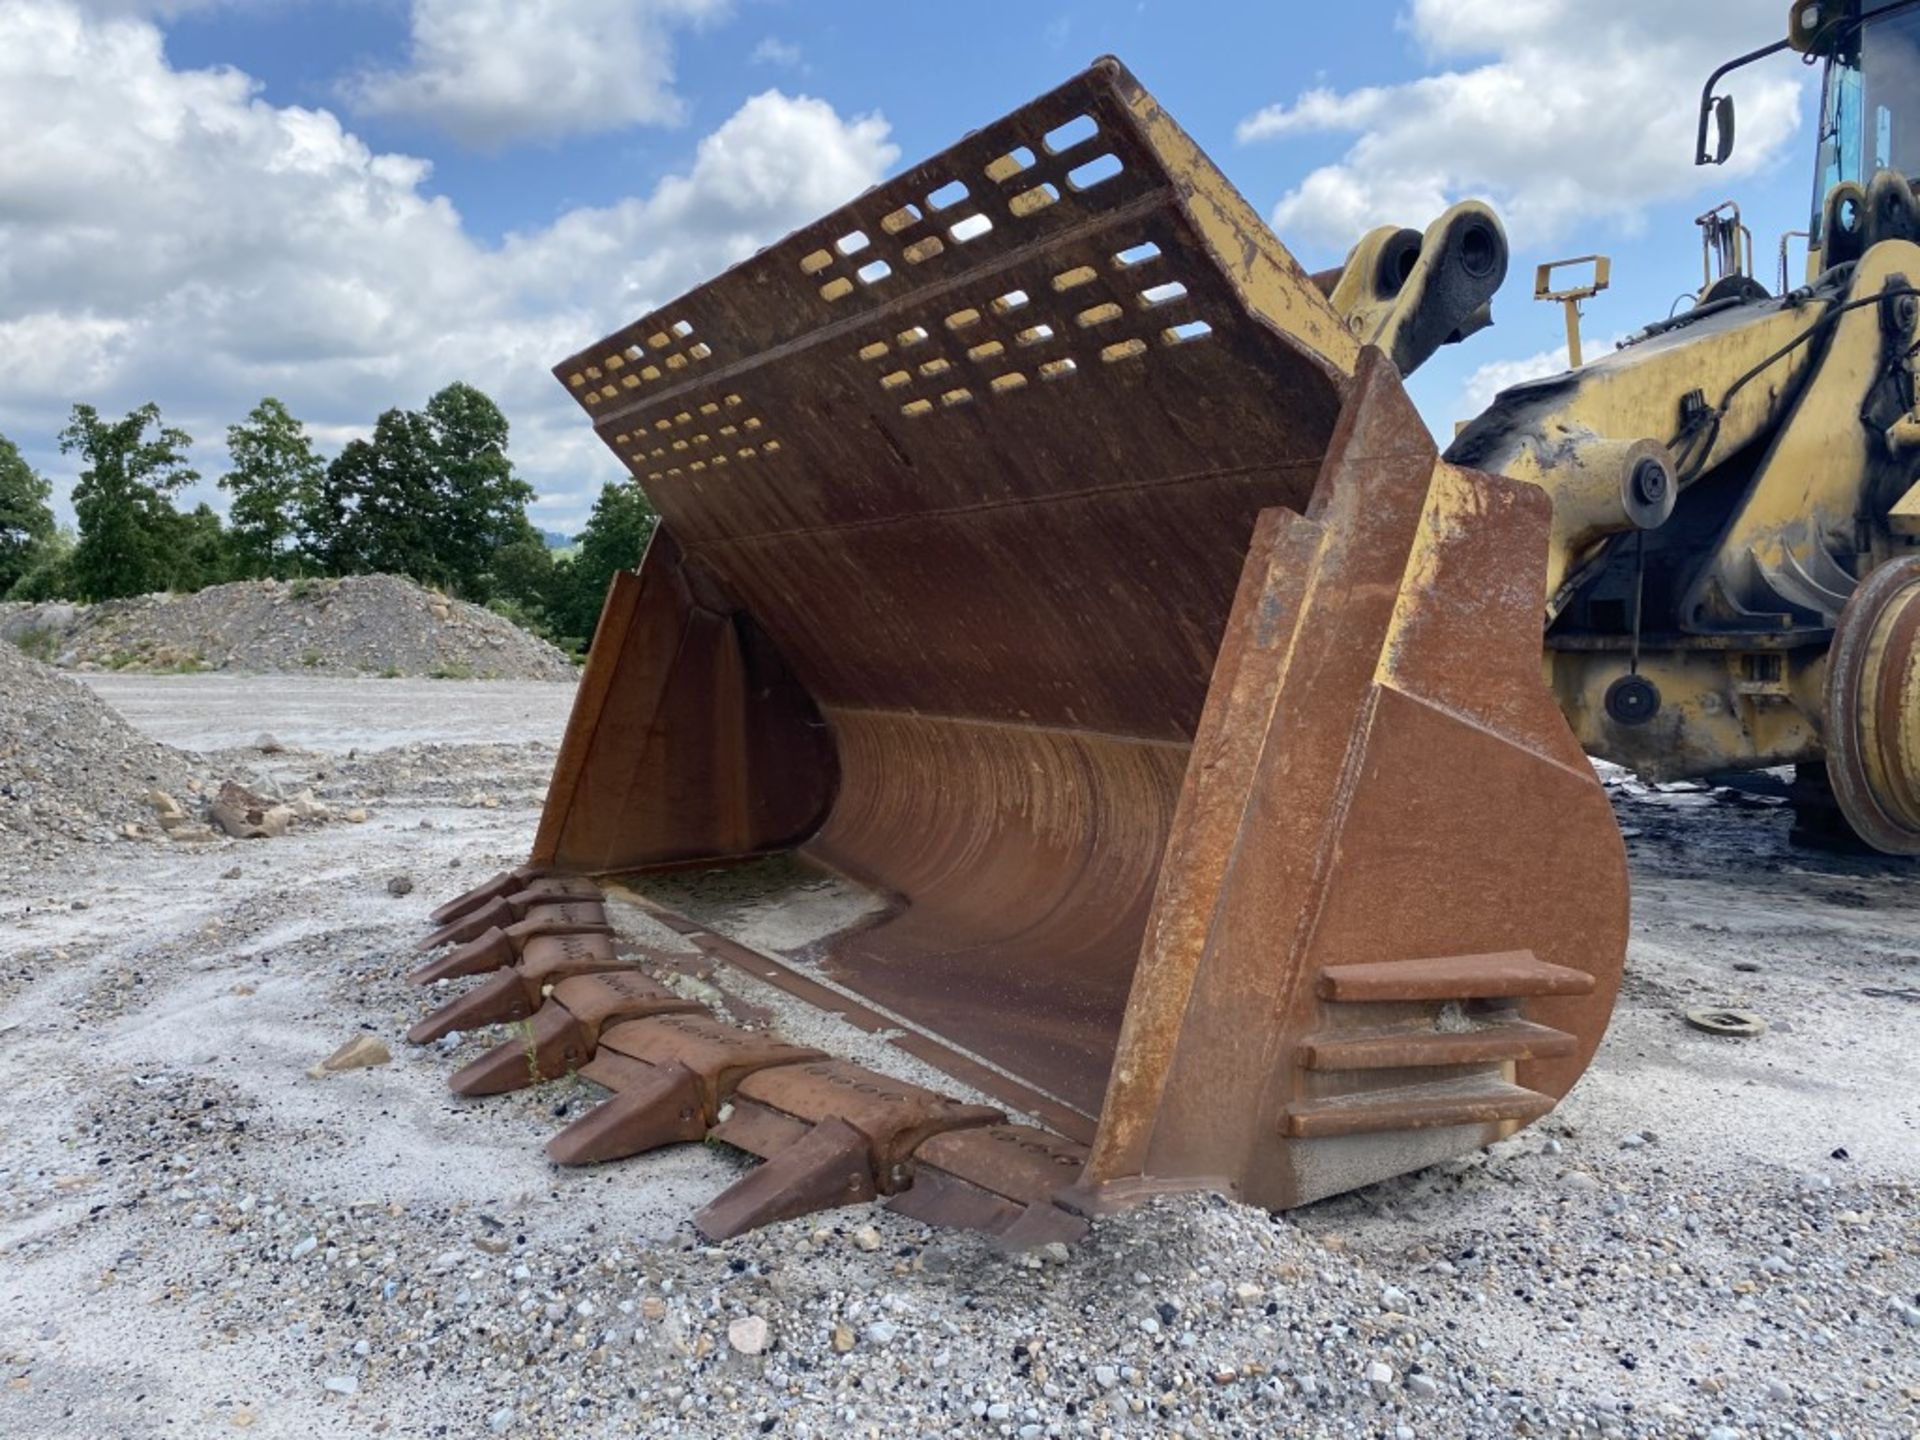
(1040, 551)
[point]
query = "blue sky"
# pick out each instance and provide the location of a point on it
(348, 203)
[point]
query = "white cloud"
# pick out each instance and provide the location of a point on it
(1574, 114)
(774, 51)
(173, 236)
(497, 72)
(1496, 375)
(1479, 389)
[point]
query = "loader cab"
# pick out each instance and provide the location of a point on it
(1869, 107)
(1869, 113)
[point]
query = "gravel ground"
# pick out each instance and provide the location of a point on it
(221, 712)
(1710, 1238)
(364, 624)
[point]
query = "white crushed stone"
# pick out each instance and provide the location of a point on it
(362, 624)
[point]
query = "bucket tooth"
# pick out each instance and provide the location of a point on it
(554, 1043)
(564, 1031)
(664, 1106)
(494, 1001)
(894, 1117)
(491, 949)
(503, 884)
(715, 1055)
(829, 1166)
(516, 991)
(496, 914)
(1002, 1179)
(504, 910)
(500, 945)
(1039, 1225)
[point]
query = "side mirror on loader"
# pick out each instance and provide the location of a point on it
(1716, 113)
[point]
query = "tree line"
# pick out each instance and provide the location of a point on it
(431, 494)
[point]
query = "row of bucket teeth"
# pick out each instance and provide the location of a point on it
(497, 946)
(507, 882)
(538, 899)
(829, 1132)
(517, 988)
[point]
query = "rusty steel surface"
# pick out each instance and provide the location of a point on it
(1041, 553)
(1004, 605)
(502, 884)
(497, 946)
(1072, 1123)
(826, 1166)
(1873, 708)
(1381, 779)
(505, 910)
(565, 1031)
(894, 1115)
(1478, 977)
(832, 1132)
(1001, 1179)
(516, 991)
(670, 1076)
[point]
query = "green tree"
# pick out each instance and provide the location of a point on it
(275, 481)
(431, 495)
(26, 521)
(521, 577)
(376, 510)
(616, 536)
(123, 500)
(50, 575)
(485, 503)
(200, 550)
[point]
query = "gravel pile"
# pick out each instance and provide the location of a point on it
(71, 770)
(366, 624)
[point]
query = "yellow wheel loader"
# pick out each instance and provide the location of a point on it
(1048, 559)
(1734, 576)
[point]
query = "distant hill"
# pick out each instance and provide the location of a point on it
(557, 539)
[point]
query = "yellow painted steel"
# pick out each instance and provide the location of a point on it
(1629, 396)
(1904, 518)
(1890, 742)
(1269, 279)
(1793, 392)
(1385, 308)
(1811, 482)
(1570, 296)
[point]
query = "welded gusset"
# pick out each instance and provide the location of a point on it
(506, 882)
(564, 1032)
(516, 991)
(832, 1134)
(500, 946)
(1001, 1179)
(503, 910)
(670, 1076)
